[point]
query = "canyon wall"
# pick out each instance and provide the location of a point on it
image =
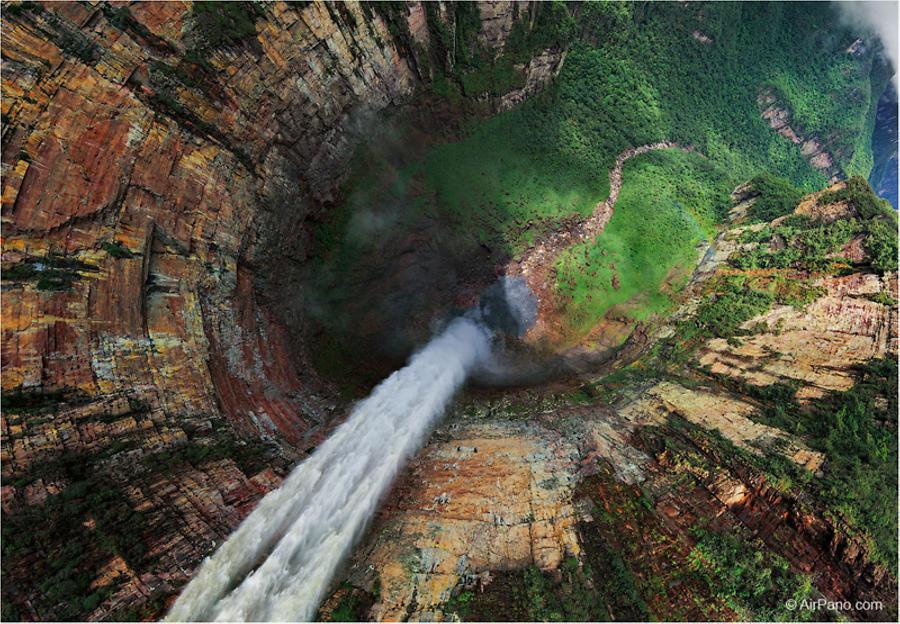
(164, 167)
(161, 163)
(599, 505)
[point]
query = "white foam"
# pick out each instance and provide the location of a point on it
(300, 533)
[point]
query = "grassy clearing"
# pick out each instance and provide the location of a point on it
(634, 74)
(503, 192)
(669, 201)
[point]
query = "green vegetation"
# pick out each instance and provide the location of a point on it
(88, 521)
(783, 474)
(93, 517)
(731, 300)
(458, 605)
(544, 605)
(456, 60)
(725, 311)
(578, 593)
(860, 195)
(54, 272)
(668, 203)
(883, 298)
(879, 217)
(219, 24)
(503, 194)
(70, 40)
(117, 250)
(18, 9)
(799, 243)
(167, 82)
(752, 581)
(36, 402)
(249, 457)
(634, 74)
(776, 197)
(354, 604)
(611, 96)
(615, 589)
(857, 431)
(881, 243)
(810, 245)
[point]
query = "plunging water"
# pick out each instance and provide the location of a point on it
(300, 533)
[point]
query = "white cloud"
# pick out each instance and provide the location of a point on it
(880, 17)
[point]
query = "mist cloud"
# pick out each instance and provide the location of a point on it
(878, 17)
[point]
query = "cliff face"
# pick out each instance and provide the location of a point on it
(164, 166)
(611, 503)
(160, 163)
(884, 146)
(779, 119)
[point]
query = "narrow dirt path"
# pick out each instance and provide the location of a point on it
(536, 265)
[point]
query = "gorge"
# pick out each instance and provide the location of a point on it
(305, 528)
(252, 253)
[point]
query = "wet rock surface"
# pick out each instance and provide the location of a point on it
(156, 202)
(645, 473)
(157, 191)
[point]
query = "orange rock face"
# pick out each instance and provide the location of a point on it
(493, 497)
(155, 337)
(154, 197)
(817, 345)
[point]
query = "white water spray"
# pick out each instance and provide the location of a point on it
(300, 533)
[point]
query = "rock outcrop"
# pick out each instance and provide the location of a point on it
(817, 345)
(490, 497)
(814, 150)
(160, 165)
(650, 467)
(492, 494)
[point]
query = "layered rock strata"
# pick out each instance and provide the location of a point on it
(161, 166)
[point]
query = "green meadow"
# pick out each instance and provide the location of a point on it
(634, 73)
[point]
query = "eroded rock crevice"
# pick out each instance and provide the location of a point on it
(158, 180)
(165, 177)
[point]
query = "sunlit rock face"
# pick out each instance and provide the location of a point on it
(543, 491)
(157, 192)
(162, 194)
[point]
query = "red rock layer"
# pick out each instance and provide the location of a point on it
(153, 192)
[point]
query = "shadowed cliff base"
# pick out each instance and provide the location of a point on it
(175, 175)
(666, 489)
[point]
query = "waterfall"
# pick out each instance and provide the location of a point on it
(277, 566)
